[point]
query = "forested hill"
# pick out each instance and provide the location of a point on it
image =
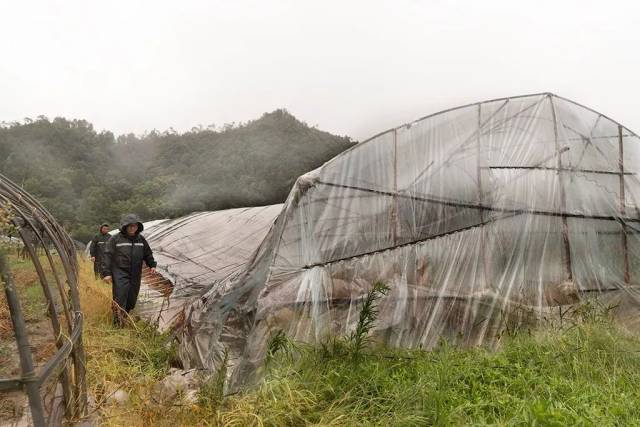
(86, 177)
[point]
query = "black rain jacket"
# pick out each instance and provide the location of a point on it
(122, 261)
(97, 247)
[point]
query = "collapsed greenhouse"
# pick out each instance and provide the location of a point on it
(468, 215)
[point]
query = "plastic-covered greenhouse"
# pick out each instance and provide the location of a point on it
(468, 215)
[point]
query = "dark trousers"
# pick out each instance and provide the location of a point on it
(96, 267)
(125, 291)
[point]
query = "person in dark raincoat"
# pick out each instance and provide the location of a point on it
(97, 248)
(122, 265)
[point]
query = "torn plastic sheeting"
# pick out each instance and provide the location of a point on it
(197, 252)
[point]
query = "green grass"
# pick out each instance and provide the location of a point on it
(589, 375)
(28, 287)
(136, 351)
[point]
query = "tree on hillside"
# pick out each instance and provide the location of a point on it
(85, 177)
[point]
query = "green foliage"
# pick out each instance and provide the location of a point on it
(160, 350)
(366, 320)
(279, 344)
(587, 375)
(130, 358)
(138, 351)
(281, 348)
(211, 392)
(86, 177)
(7, 214)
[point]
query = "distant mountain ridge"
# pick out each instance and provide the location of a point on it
(86, 177)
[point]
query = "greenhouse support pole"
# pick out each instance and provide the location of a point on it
(479, 168)
(394, 205)
(563, 196)
(483, 249)
(625, 250)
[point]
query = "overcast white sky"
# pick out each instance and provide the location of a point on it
(350, 67)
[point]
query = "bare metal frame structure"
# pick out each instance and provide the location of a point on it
(57, 273)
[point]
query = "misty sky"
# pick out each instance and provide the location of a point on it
(350, 67)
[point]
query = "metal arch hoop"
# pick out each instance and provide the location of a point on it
(67, 365)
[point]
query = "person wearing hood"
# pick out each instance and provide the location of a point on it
(96, 249)
(122, 265)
